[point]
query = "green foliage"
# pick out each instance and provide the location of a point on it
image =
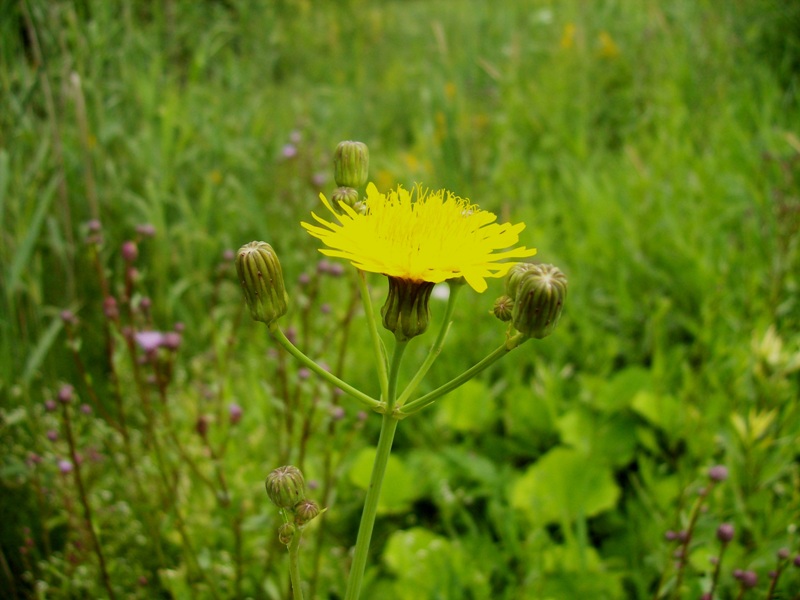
(652, 150)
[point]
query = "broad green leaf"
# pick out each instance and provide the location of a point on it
(399, 483)
(610, 439)
(564, 485)
(469, 408)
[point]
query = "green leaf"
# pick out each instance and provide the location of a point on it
(470, 408)
(612, 440)
(620, 391)
(662, 411)
(564, 485)
(399, 489)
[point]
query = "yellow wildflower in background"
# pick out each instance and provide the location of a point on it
(421, 236)
(608, 47)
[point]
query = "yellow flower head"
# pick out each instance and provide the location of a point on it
(434, 237)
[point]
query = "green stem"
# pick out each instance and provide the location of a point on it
(294, 565)
(435, 350)
(329, 377)
(377, 345)
(430, 398)
(388, 428)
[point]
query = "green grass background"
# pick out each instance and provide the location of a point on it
(652, 149)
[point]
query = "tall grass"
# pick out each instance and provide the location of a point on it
(651, 148)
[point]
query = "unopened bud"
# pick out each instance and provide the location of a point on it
(539, 299)
(351, 164)
(406, 312)
(515, 275)
(286, 486)
(286, 533)
(347, 195)
(262, 281)
(503, 308)
(725, 533)
(305, 511)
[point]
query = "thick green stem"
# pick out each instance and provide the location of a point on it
(388, 428)
(329, 377)
(294, 566)
(430, 398)
(435, 350)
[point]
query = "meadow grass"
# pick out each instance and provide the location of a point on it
(652, 149)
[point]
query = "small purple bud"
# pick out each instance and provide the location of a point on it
(796, 561)
(738, 574)
(678, 554)
(749, 579)
(86, 409)
(129, 251)
(718, 473)
(362, 415)
(65, 393)
(146, 230)
(714, 560)
(171, 340)
(201, 427)
(52, 435)
(289, 151)
(94, 226)
(319, 179)
(336, 270)
(303, 373)
(325, 308)
(229, 255)
(68, 317)
(783, 554)
(337, 413)
(143, 580)
(291, 334)
(304, 279)
(683, 535)
(323, 266)
(65, 466)
(313, 484)
(725, 533)
(50, 405)
(180, 327)
(145, 303)
(110, 309)
(34, 459)
(149, 341)
(772, 574)
(235, 412)
(295, 136)
(706, 596)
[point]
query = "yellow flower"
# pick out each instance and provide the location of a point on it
(421, 236)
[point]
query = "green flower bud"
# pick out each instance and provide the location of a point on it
(503, 307)
(406, 312)
(286, 486)
(347, 195)
(305, 511)
(350, 164)
(286, 533)
(541, 292)
(515, 275)
(262, 281)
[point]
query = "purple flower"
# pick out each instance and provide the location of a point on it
(171, 340)
(289, 151)
(86, 409)
(129, 251)
(68, 317)
(149, 341)
(303, 373)
(50, 405)
(235, 411)
(110, 307)
(65, 393)
(94, 225)
(718, 473)
(337, 413)
(65, 466)
(725, 533)
(146, 230)
(228, 255)
(52, 435)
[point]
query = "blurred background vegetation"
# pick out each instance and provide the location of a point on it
(652, 148)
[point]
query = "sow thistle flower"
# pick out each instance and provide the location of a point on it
(418, 238)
